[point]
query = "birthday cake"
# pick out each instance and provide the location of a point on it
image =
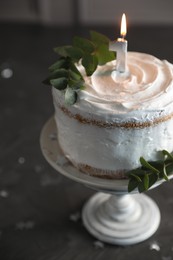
(118, 117)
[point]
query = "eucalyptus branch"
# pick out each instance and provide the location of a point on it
(149, 173)
(64, 74)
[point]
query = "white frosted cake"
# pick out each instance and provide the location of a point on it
(118, 117)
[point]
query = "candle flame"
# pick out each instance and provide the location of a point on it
(123, 26)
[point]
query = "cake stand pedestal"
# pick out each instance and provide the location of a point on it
(111, 215)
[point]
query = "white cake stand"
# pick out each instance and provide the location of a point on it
(111, 215)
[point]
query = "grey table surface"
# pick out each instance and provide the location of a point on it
(40, 210)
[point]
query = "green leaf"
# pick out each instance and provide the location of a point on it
(153, 178)
(82, 87)
(70, 96)
(157, 164)
(147, 165)
(169, 168)
(138, 179)
(61, 63)
(73, 68)
(69, 51)
(140, 172)
(132, 185)
(62, 50)
(90, 63)
(146, 181)
(60, 83)
(167, 154)
(104, 55)
(141, 187)
(75, 53)
(83, 44)
(75, 84)
(59, 73)
(151, 172)
(165, 176)
(98, 38)
(75, 76)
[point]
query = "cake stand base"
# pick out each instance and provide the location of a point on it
(121, 219)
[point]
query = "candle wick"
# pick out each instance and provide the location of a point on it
(123, 36)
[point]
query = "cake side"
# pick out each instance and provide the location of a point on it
(102, 151)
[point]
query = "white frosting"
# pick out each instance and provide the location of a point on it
(147, 87)
(142, 94)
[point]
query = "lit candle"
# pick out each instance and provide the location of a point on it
(120, 46)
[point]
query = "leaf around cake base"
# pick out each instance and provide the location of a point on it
(150, 172)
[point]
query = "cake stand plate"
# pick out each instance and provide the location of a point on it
(111, 215)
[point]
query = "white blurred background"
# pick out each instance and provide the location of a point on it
(87, 12)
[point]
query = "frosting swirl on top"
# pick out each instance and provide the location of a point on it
(147, 86)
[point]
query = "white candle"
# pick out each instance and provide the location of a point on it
(120, 46)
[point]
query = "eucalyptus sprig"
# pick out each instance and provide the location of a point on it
(149, 173)
(64, 74)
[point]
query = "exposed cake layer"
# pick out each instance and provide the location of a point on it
(132, 124)
(100, 173)
(117, 119)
